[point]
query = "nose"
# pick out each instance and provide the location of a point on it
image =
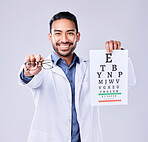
(64, 38)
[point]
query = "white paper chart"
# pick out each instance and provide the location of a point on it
(108, 77)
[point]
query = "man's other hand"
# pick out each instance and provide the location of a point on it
(112, 45)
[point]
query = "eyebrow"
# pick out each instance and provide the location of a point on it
(57, 31)
(71, 30)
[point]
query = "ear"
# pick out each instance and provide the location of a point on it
(50, 37)
(78, 37)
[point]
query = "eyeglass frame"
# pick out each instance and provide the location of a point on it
(42, 62)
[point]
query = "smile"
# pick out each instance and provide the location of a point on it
(64, 46)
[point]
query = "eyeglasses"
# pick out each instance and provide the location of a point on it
(33, 65)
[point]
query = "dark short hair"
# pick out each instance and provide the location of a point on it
(64, 15)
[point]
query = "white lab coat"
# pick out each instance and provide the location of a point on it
(53, 101)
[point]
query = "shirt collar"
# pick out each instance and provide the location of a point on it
(56, 58)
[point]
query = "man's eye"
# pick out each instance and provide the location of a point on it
(71, 33)
(57, 33)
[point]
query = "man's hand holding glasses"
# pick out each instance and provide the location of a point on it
(34, 64)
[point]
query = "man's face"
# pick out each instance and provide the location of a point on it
(63, 37)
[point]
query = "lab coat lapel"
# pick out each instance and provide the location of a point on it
(57, 69)
(79, 76)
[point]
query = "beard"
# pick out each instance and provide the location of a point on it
(65, 55)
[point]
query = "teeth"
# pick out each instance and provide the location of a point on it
(64, 46)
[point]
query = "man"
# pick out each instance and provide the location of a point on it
(61, 94)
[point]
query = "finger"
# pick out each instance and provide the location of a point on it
(107, 46)
(27, 64)
(119, 44)
(32, 58)
(115, 45)
(38, 59)
(32, 62)
(42, 58)
(111, 46)
(27, 58)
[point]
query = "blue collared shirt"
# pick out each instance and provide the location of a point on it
(70, 74)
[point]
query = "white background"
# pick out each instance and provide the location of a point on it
(24, 30)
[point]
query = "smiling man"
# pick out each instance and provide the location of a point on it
(61, 94)
(64, 37)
